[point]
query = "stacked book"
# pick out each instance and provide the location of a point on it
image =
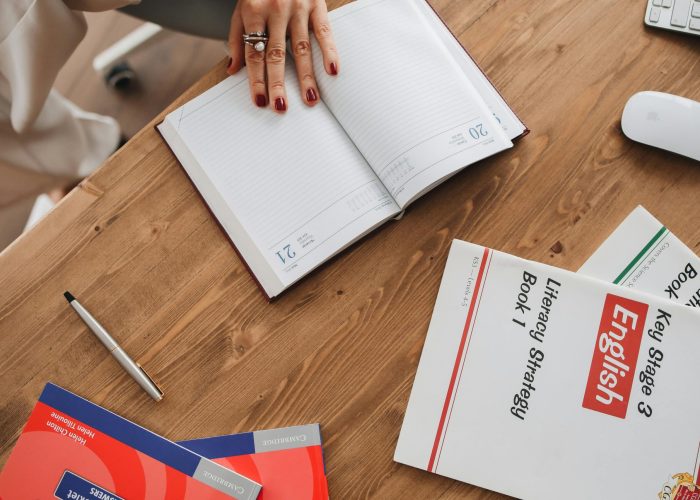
(73, 449)
(543, 383)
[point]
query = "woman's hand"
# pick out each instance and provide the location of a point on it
(278, 18)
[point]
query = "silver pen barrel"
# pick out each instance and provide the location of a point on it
(129, 365)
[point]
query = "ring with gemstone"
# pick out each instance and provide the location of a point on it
(258, 40)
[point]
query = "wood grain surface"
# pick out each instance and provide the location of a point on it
(136, 245)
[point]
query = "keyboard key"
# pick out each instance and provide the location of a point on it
(657, 3)
(654, 15)
(696, 10)
(695, 24)
(667, 3)
(679, 17)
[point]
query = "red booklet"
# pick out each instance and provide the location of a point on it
(288, 462)
(73, 449)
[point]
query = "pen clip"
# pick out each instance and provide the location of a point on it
(145, 373)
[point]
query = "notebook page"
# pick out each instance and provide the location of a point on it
(296, 184)
(511, 124)
(403, 100)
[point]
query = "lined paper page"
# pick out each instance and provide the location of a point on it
(511, 124)
(295, 182)
(402, 98)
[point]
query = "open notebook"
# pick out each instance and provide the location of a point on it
(409, 110)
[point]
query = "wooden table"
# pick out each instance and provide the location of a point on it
(137, 246)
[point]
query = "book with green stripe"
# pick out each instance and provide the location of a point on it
(643, 254)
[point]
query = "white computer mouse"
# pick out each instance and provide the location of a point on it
(664, 121)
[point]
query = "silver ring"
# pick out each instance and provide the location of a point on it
(258, 40)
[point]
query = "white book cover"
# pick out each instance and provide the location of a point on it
(643, 254)
(542, 383)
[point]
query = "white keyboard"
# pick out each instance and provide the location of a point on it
(675, 15)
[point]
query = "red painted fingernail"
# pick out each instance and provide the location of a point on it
(311, 95)
(260, 101)
(334, 69)
(280, 105)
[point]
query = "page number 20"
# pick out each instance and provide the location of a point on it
(478, 131)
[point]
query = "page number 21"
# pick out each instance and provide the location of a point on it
(478, 131)
(286, 254)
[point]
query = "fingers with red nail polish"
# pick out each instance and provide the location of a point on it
(281, 20)
(324, 35)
